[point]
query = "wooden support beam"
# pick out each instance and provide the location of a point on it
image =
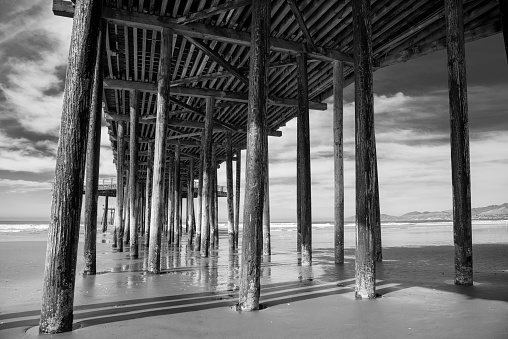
(163, 101)
(222, 34)
(461, 182)
(93, 150)
(256, 128)
(214, 10)
(229, 183)
(133, 173)
(177, 197)
(303, 166)
(148, 194)
(237, 194)
(301, 22)
(207, 159)
(215, 56)
(203, 93)
(63, 233)
(120, 168)
(171, 200)
(365, 287)
(198, 78)
(186, 123)
(191, 220)
(105, 221)
(214, 225)
(197, 243)
(338, 159)
(267, 244)
(126, 210)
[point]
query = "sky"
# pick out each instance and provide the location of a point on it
(411, 124)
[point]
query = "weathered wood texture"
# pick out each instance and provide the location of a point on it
(267, 245)
(126, 211)
(148, 194)
(338, 159)
(190, 202)
(254, 168)
(63, 233)
(229, 188)
(178, 198)
(207, 160)
(303, 166)
(93, 150)
(171, 200)
(163, 85)
(117, 240)
(213, 200)
(237, 196)
(197, 243)
(133, 173)
(459, 139)
(365, 286)
(105, 220)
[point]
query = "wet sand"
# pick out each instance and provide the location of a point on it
(195, 297)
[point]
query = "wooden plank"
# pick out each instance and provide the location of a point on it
(229, 183)
(163, 101)
(208, 32)
(203, 93)
(92, 162)
(214, 10)
(133, 173)
(63, 234)
(461, 182)
(365, 286)
(199, 78)
(198, 112)
(254, 167)
(301, 22)
(303, 150)
(338, 159)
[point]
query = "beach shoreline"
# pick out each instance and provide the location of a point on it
(195, 297)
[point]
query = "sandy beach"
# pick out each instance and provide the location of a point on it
(195, 297)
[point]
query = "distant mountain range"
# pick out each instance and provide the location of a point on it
(494, 212)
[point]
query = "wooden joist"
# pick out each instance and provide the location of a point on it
(203, 93)
(214, 10)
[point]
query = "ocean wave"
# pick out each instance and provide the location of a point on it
(16, 228)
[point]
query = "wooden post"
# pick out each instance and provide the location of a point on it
(207, 159)
(148, 194)
(197, 243)
(213, 199)
(304, 160)
(298, 201)
(237, 196)
(229, 184)
(93, 150)
(120, 155)
(178, 195)
(171, 200)
(165, 211)
(133, 178)
(365, 152)
(163, 100)
(378, 248)
(127, 210)
(63, 233)
(461, 182)
(105, 215)
(254, 168)
(267, 247)
(190, 201)
(338, 158)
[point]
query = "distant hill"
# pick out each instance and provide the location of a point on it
(493, 212)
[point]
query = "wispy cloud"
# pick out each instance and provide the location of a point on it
(23, 186)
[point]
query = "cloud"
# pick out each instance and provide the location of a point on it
(23, 186)
(23, 155)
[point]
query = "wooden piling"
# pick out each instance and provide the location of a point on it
(63, 232)
(459, 139)
(207, 159)
(338, 159)
(237, 196)
(190, 202)
(178, 195)
(163, 102)
(133, 172)
(214, 226)
(105, 215)
(120, 158)
(254, 168)
(93, 150)
(171, 200)
(126, 209)
(229, 188)
(197, 243)
(148, 194)
(303, 150)
(365, 286)
(267, 246)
